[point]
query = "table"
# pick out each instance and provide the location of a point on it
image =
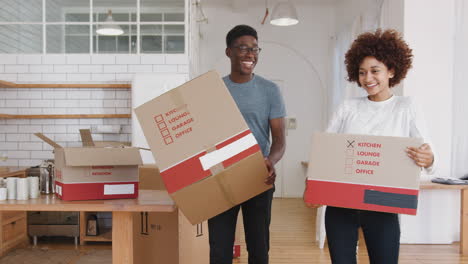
(122, 219)
(427, 185)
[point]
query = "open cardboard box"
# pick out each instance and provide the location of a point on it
(90, 172)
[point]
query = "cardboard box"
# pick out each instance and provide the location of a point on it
(90, 173)
(150, 178)
(169, 238)
(166, 237)
(363, 172)
(208, 157)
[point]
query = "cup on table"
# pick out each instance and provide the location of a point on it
(22, 189)
(3, 193)
(11, 187)
(33, 187)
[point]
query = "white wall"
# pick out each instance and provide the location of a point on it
(430, 33)
(460, 93)
(431, 36)
(295, 57)
(16, 135)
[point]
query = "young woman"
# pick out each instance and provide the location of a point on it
(376, 62)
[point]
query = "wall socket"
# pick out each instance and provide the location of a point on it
(291, 123)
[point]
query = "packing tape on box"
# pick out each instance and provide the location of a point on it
(225, 189)
(218, 156)
(215, 169)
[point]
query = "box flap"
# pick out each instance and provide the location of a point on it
(86, 138)
(102, 156)
(115, 144)
(47, 140)
(150, 178)
(232, 186)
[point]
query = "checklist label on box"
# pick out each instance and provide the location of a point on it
(165, 132)
(174, 124)
(168, 140)
(159, 118)
(162, 125)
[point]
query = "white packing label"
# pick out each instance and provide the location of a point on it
(110, 189)
(226, 152)
(58, 189)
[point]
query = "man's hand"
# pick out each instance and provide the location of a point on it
(271, 172)
(422, 156)
(278, 144)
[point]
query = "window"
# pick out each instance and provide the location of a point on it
(69, 26)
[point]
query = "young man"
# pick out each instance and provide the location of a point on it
(262, 107)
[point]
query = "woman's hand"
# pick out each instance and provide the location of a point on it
(310, 205)
(422, 156)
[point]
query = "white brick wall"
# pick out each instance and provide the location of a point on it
(16, 135)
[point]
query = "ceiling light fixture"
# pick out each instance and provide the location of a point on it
(284, 14)
(109, 29)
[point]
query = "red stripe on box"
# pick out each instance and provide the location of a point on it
(190, 171)
(234, 138)
(352, 196)
(92, 191)
(250, 151)
(184, 174)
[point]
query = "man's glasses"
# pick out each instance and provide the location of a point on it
(244, 49)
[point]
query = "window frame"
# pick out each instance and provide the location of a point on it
(92, 24)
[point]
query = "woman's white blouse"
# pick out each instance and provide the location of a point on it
(397, 116)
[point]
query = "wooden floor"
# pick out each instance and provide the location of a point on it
(293, 241)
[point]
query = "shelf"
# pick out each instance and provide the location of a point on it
(8, 116)
(5, 84)
(14, 218)
(104, 236)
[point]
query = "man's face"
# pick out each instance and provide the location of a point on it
(243, 58)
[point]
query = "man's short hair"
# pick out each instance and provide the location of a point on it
(239, 31)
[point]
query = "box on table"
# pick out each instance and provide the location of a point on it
(363, 172)
(90, 173)
(150, 178)
(208, 157)
(166, 237)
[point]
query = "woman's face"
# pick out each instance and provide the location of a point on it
(374, 77)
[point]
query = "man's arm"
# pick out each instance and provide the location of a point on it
(278, 145)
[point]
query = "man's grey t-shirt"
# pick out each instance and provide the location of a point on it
(259, 100)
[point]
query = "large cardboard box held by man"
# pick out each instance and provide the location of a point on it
(363, 172)
(208, 157)
(166, 237)
(90, 173)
